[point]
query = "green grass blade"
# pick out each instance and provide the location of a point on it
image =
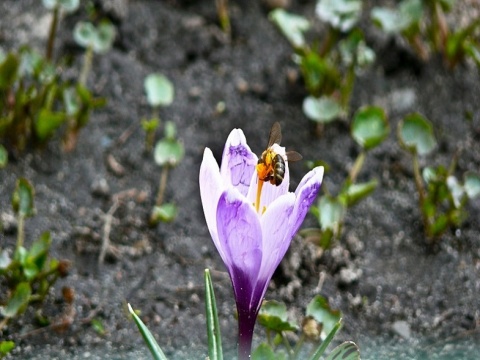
(323, 346)
(152, 344)
(213, 328)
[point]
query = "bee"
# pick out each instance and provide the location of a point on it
(271, 166)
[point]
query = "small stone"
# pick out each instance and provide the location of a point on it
(100, 188)
(402, 329)
(242, 86)
(8, 223)
(348, 276)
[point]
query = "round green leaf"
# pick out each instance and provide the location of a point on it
(273, 316)
(340, 14)
(104, 38)
(164, 213)
(68, 6)
(416, 134)
(84, 34)
(159, 89)
(321, 311)
(22, 200)
(292, 26)
(168, 152)
(331, 212)
(456, 190)
(18, 302)
(322, 110)
(370, 127)
(472, 185)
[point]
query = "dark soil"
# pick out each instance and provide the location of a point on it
(400, 298)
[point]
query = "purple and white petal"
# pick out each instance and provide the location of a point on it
(238, 161)
(305, 194)
(211, 187)
(240, 234)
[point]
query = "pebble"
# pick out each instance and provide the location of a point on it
(401, 328)
(100, 187)
(348, 276)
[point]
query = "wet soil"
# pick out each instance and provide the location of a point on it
(400, 298)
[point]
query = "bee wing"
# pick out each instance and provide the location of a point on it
(275, 135)
(293, 156)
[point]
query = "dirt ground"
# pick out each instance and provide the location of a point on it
(400, 298)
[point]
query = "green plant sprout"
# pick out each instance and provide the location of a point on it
(441, 196)
(223, 17)
(57, 6)
(422, 23)
(168, 153)
(3, 157)
(95, 39)
(31, 273)
(35, 101)
(160, 92)
(369, 129)
(319, 327)
(329, 67)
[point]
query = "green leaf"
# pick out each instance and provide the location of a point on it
(215, 351)
(340, 14)
(5, 260)
(273, 316)
(97, 325)
(105, 37)
(322, 110)
(152, 344)
(168, 152)
(332, 212)
(150, 125)
(37, 256)
(3, 157)
(456, 190)
(165, 213)
(264, 352)
(22, 200)
(321, 311)
(18, 302)
(370, 127)
(68, 6)
(416, 134)
(100, 38)
(394, 21)
(323, 346)
(321, 77)
(356, 192)
(292, 26)
(47, 122)
(170, 130)
(345, 351)
(472, 184)
(159, 90)
(6, 347)
(8, 71)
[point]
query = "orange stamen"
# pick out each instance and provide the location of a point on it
(259, 193)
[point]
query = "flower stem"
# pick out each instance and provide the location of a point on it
(51, 34)
(161, 186)
(246, 324)
(87, 64)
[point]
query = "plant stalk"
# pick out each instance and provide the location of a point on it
(51, 34)
(87, 65)
(357, 166)
(20, 231)
(162, 186)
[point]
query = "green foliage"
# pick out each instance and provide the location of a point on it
(169, 151)
(99, 38)
(442, 197)
(328, 69)
(148, 337)
(31, 272)
(36, 102)
(163, 213)
(6, 347)
(319, 326)
(340, 14)
(423, 24)
(369, 129)
(159, 90)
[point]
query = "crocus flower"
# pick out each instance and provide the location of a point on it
(251, 223)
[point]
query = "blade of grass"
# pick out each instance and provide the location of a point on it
(213, 328)
(323, 346)
(152, 344)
